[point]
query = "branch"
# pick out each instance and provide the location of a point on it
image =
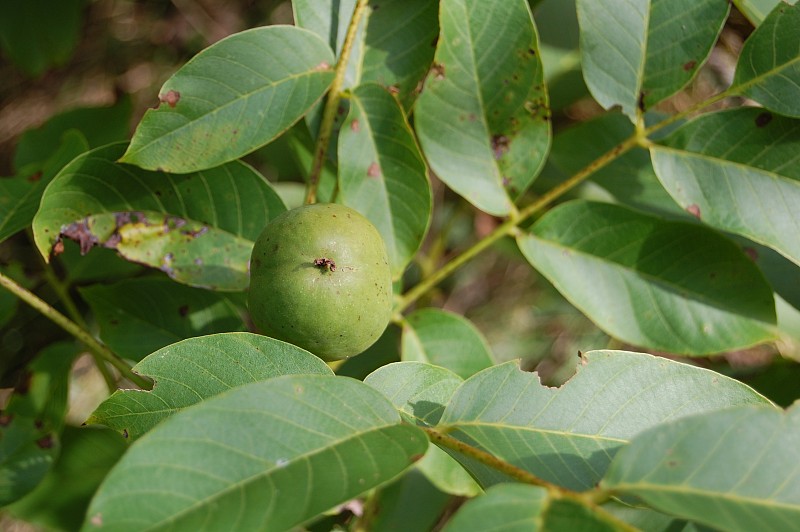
(510, 226)
(332, 105)
(72, 328)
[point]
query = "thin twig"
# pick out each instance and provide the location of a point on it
(332, 105)
(511, 224)
(72, 328)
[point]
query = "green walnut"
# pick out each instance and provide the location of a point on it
(320, 279)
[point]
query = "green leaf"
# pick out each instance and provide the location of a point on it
(394, 46)
(410, 503)
(445, 339)
(190, 371)
(40, 34)
(569, 435)
(26, 455)
(44, 395)
(198, 228)
(61, 499)
(768, 70)
(482, 118)
(629, 178)
(20, 195)
(99, 125)
(139, 316)
(232, 98)
(636, 54)
(382, 173)
(714, 165)
(447, 474)
(419, 391)
(267, 455)
(671, 286)
(733, 470)
(757, 10)
(506, 507)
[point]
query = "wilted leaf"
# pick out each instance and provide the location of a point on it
(672, 286)
(569, 435)
(733, 470)
(266, 455)
(198, 228)
(382, 173)
(190, 371)
(482, 118)
(232, 98)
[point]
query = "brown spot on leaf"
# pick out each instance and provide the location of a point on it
(322, 66)
(500, 145)
(197, 233)
(97, 520)
(374, 170)
(355, 127)
(80, 233)
(694, 210)
(183, 310)
(751, 253)
(763, 119)
(5, 419)
(688, 66)
(393, 90)
(640, 101)
(45, 442)
(125, 434)
(171, 98)
(437, 70)
(33, 178)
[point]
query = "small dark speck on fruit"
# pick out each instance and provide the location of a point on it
(763, 119)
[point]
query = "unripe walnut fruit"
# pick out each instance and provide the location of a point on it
(320, 279)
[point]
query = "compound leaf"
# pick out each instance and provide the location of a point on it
(738, 170)
(673, 286)
(482, 118)
(266, 455)
(570, 434)
(187, 372)
(382, 173)
(637, 53)
(768, 70)
(733, 469)
(198, 228)
(232, 98)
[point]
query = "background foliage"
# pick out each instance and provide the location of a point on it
(605, 191)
